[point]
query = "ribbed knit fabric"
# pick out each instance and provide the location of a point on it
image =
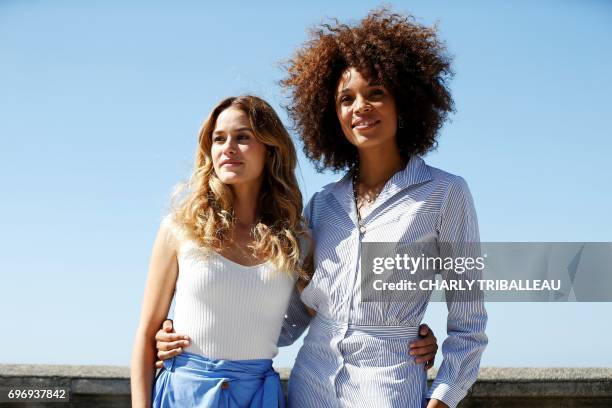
(230, 311)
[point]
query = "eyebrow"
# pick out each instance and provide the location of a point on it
(216, 132)
(345, 90)
(370, 85)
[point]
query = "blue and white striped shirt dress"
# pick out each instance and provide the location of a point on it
(356, 353)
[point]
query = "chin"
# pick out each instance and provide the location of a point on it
(365, 141)
(231, 179)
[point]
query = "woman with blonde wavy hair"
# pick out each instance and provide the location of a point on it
(230, 254)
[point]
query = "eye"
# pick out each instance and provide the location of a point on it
(377, 93)
(344, 99)
(243, 137)
(218, 139)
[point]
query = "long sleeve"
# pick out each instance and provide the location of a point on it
(297, 318)
(467, 317)
(296, 321)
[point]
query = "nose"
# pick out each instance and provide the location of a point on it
(230, 147)
(362, 105)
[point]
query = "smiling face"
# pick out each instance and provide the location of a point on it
(367, 112)
(237, 155)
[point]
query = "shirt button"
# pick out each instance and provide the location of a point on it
(225, 385)
(362, 229)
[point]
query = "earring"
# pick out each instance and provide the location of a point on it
(400, 122)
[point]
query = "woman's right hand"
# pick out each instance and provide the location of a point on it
(301, 285)
(168, 343)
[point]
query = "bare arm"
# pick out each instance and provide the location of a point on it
(159, 289)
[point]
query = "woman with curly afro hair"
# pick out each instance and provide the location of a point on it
(369, 100)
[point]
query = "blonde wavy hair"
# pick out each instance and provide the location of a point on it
(205, 211)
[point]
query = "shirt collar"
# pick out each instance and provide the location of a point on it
(415, 172)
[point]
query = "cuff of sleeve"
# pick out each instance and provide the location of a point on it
(448, 394)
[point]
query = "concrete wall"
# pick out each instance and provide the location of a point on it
(108, 386)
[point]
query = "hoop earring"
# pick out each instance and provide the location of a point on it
(400, 122)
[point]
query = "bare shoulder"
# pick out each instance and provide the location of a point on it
(164, 259)
(170, 234)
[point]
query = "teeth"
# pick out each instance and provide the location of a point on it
(364, 124)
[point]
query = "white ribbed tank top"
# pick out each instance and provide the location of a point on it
(230, 311)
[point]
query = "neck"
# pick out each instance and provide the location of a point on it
(246, 197)
(373, 170)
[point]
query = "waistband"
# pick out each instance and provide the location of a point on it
(205, 382)
(238, 369)
(381, 332)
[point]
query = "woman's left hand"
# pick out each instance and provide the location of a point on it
(425, 349)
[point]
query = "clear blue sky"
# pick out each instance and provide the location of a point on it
(100, 104)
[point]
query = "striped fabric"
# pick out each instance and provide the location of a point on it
(218, 300)
(356, 353)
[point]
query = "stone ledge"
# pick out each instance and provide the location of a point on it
(72, 371)
(99, 386)
(544, 374)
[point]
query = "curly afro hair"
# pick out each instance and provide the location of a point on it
(386, 48)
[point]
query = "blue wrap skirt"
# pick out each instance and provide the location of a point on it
(191, 380)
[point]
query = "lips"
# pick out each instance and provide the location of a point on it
(230, 163)
(364, 124)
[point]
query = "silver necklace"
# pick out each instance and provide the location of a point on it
(367, 198)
